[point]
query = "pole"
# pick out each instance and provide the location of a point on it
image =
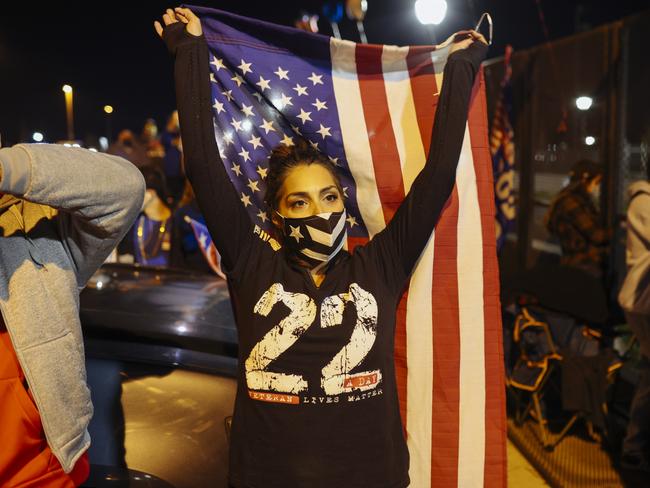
(67, 90)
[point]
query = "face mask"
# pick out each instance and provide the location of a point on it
(595, 195)
(315, 239)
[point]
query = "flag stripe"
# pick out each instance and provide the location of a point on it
(495, 430)
(403, 115)
(413, 340)
(471, 429)
(355, 134)
(385, 156)
(446, 350)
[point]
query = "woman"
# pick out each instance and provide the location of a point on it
(153, 229)
(317, 401)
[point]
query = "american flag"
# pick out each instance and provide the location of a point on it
(208, 249)
(370, 109)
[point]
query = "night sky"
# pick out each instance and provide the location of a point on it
(111, 55)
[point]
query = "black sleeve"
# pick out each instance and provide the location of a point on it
(227, 220)
(408, 232)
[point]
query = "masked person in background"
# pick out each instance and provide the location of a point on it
(62, 212)
(634, 298)
(574, 219)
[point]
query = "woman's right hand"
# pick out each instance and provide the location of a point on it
(179, 14)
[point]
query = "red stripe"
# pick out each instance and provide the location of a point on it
(446, 350)
(495, 419)
(383, 147)
(423, 87)
(446, 322)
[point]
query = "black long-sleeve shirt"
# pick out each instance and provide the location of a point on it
(317, 400)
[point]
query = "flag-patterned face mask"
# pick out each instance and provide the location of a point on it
(315, 239)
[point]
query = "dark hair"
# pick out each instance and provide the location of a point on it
(285, 158)
(585, 171)
(155, 180)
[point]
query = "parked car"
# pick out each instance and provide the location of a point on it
(161, 348)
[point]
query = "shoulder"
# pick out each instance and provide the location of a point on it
(267, 238)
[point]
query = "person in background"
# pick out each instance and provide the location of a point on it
(62, 211)
(185, 252)
(150, 142)
(634, 298)
(173, 159)
(574, 219)
(151, 234)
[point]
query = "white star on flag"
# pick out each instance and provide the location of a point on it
(316, 79)
(262, 215)
(203, 239)
(236, 124)
(287, 141)
(253, 185)
(334, 161)
(212, 78)
(320, 105)
(314, 144)
(228, 137)
(227, 94)
(324, 131)
(301, 90)
(267, 126)
(282, 74)
(304, 116)
(295, 232)
(263, 84)
(296, 129)
(285, 100)
(352, 221)
(244, 154)
(246, 200)
(247, 110)
(217, 63)
(237, 79)
(218, 106)
(262, 172)
(236, 169)
(255, 142)
(245, 67)
(345, 191)
(258, 95)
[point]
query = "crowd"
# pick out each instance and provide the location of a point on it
(162, 234)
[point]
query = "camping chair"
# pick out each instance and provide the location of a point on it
(539, 356)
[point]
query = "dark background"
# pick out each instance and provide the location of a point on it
(110, 54)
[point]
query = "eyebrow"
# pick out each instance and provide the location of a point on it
(305, 194)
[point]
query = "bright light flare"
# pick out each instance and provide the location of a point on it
(430, 11)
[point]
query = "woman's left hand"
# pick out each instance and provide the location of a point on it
(464, 39)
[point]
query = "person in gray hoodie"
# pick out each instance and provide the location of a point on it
(634, 298)
(62, 211)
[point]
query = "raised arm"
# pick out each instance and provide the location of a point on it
(406, 235)
(229, 224)
(97, 196)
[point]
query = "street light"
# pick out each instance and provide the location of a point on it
(584, 103)
(430, 11)
(590, 140)
(108, 110)
(67, 90)
(37, 137)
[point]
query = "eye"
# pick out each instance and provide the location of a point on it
(298, 204)
(332, 197)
